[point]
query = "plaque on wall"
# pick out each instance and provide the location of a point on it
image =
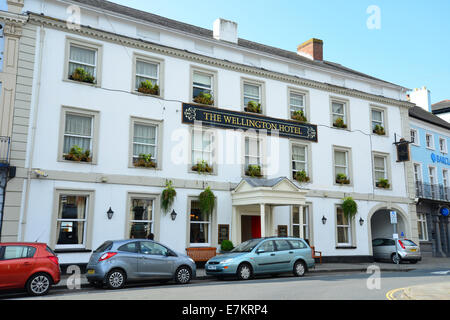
(223, 232)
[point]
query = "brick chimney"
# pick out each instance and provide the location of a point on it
(311, 49)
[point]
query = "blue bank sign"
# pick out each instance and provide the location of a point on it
(440, 159)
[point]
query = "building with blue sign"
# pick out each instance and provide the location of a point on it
(430, 137)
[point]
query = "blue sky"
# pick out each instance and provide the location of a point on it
(411, 48)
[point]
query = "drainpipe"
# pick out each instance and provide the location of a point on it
(29, 165)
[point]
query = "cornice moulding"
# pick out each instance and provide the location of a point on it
(184, 54)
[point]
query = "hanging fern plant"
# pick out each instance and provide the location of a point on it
(207, 200)
(349, 207)
(167, 197)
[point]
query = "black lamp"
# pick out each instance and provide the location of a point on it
(361, 221)
(110, 213)
(324, 220)
(173, 215)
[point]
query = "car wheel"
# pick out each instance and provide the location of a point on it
(299, 269)
(183, 275)
(115, 279)
(396, 259)
(244, 272)
(39, 284)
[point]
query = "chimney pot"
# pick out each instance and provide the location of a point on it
(312, 49)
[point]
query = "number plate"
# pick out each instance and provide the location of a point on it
(212, 267)
(91, 271)
(413, 250)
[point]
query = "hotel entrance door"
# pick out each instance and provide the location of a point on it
(250, 227)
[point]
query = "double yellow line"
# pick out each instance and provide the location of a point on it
(390, 295)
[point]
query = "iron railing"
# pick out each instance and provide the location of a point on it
(432, 191)
(5, 144)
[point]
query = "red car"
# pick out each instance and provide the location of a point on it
(33, 266)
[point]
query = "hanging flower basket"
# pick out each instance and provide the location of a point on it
(167, 197)
(207, 201)
(349, 207)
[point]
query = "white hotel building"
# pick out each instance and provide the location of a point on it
(65, 203)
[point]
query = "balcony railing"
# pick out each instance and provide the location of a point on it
(5, 143)
(432, 191)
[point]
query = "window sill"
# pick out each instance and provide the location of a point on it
(74, 250)
(92, 163)
(95, 85)
(145, 168)
(346, 247)
(158, 96)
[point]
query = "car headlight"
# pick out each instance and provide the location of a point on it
(227, 260)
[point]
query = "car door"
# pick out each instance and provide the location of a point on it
(284, 255)
(265, 257)
(16, 265)
(377, 247)
(388, 248)
(129, 256)
(155, 261)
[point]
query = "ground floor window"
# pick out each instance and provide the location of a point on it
(199, 225)
(343, 228)
(72, 220)
(300, 222)
(422, 226)
(141, 218)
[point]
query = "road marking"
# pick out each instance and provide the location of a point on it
(390, 294)
(441, 272)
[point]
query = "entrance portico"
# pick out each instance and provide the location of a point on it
(257, 197)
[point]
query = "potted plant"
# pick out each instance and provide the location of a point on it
(79, 74)
(226, 246)
(167, 197)
(253, 170)
(341, 178)
(204, 98)
(299, 116)
(207, 200)
(349, 207)
(144, 161)
(379, 130)
(339, 123)
(301, 176)
(383, 183)
(253, 106)
(76, 153)
(147, 87)
(202, 167)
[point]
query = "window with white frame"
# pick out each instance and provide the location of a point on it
(78, 132)
(433, 181)
(72, 220)
(140, 218)
(202, 87)
(297, 103)
(339, 114)
(445, 184)
(252, 92)
(380, 168)
(443, 145)
(202, 148)
(341, 166)
(343, 228)
(252, 155)
(422, 226)
(417, 172)
(299, 159)
(145, 142)
(84, 58)
(300, 222)
(429, 141)
(377, 120)
(147, 71)
(200, 225)
(414, 136)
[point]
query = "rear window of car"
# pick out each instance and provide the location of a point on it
(297, 244)
(104, 247)
(49, 250)
(282, 245)
(18, 252)
(407, 242)
(130, 247)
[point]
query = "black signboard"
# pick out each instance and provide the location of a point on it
(402, 150)
(220, 118)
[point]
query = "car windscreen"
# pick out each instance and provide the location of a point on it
(104, 247)
(247, 246)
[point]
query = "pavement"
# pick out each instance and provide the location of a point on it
(424, 292)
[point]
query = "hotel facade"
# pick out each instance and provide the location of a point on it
(279, 137)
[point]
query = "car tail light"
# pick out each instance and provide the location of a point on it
(401, 244)
(54, 259)
(106, 256)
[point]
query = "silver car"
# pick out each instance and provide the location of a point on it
(384, 249)
(115, 263)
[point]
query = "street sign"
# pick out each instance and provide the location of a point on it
(395, 236)
(393, 217)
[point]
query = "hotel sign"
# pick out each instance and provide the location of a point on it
(226, 119)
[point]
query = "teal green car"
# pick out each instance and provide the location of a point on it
(263, 256)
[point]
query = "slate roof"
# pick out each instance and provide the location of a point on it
(421, 114)
(198, 31)
(441, 107)
(259, 182)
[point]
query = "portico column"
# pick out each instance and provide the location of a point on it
(234, 226)
(263, 220)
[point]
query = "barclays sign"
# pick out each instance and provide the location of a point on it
(440, 159)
